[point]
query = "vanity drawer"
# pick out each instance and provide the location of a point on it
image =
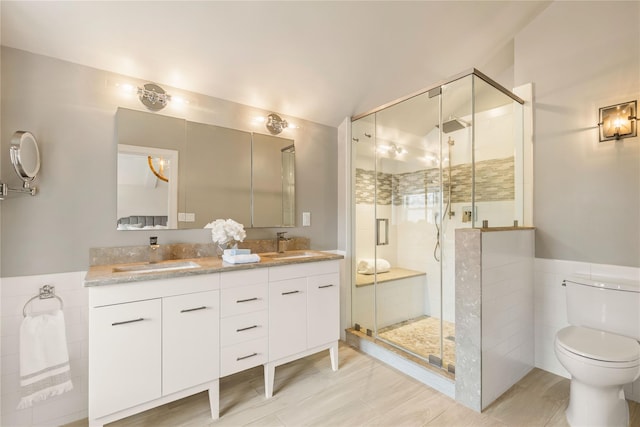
(243, 356)
(245, 327)
(233, 279)
(243, 299)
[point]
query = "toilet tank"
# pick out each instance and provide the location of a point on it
(611, 305)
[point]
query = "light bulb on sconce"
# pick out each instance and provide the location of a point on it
(618, 121)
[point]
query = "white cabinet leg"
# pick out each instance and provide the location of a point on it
(333, 353)
(214, 399)
(269, 376)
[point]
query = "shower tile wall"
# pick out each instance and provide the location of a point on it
(415, 228)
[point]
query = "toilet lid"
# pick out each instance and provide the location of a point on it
(599, 345)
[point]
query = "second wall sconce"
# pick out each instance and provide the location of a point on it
(276, 124)
(618, 121)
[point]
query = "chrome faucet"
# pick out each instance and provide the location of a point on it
(281, 241)
(154, 250)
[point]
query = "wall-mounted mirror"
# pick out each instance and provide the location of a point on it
(25, 156)
(147, 187)
(273, 181)
(220, 173)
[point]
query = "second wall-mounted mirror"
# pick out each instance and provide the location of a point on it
(218, 173)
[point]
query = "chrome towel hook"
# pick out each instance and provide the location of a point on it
(46, 292)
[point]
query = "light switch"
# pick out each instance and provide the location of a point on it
(190, 217)
(182, 216)
(306, 219)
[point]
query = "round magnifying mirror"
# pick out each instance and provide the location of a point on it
(25, 156)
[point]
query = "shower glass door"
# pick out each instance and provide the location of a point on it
(397, 294)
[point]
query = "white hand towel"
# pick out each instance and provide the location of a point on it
(44, 358)
(236, 251)
(371, 266)
(241, 259)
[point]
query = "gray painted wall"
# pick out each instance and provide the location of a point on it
(71, 111)
(581, 57)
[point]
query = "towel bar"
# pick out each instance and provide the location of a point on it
(46, 292)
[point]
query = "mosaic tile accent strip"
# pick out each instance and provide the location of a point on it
(494, 182)
(366, 187)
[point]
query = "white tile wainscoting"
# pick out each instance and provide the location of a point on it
(550, 312)
(15, 291)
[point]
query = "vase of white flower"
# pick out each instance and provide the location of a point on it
(226, 234)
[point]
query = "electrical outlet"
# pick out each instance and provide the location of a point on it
(306, 219)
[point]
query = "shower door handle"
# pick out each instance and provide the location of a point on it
(382, 231)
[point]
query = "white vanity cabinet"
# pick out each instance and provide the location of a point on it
(152, 342)
(125, 355)
(155, 341)
(244, 322)
(189, 340)
(304, 314)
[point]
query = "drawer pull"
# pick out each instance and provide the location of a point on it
(246, 357)
(290, 292)
(247, 300)
(247, 328)
(127, 321)
(325, 286)
(187, 310)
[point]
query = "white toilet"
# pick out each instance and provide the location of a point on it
(600, 349)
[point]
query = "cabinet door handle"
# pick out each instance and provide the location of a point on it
(325, 286)
(247, 328)
(127, 321)
(290, 292)
(247, 300)
(246, 357)
(187, 310)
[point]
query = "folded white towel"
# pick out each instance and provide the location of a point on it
(44, 358)
(236, 251)
(371, 266)
(241, 259)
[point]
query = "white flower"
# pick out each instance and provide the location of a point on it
(223, 231)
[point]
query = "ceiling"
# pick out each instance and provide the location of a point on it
(319, 61)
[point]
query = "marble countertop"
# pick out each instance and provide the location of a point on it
(104, 274)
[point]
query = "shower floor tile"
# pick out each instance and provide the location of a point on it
(422, 337)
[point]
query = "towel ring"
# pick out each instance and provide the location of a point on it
(46, 292)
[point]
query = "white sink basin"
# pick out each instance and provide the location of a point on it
(289, 255)
(150, 268)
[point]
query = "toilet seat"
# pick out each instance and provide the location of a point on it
(601, 348)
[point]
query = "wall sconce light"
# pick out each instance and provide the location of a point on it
(618, 121)
(153, 96)
(276, 124)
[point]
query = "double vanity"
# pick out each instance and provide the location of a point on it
(163, 331)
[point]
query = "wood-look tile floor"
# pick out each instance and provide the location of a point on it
(363, 392)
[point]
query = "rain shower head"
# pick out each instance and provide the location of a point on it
(453, 124)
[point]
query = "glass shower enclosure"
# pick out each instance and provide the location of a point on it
(448, 157)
